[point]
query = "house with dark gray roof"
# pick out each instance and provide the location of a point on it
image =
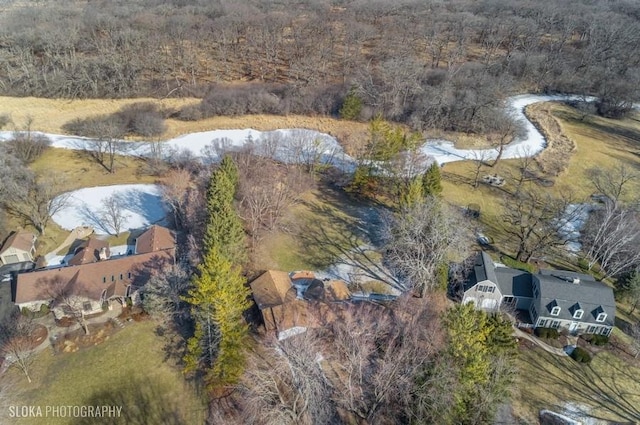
(553, 298)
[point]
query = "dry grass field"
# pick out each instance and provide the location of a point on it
(600, 142)
(49, 115)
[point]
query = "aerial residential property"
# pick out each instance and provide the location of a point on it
(320, 212)
(554, 299)
(95, 278)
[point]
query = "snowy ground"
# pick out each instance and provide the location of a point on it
(58, 260)
(301, 146)
(575, 217)
(142, 205)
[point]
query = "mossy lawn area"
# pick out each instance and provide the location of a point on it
(608, 386)
(128, 370)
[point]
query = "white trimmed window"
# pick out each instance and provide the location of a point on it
(555, 311)
(601, 317)
(578, 314)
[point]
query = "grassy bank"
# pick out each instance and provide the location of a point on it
(128, 370)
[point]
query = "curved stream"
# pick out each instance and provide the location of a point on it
(306, 146)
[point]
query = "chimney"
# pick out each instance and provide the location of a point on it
(103, 253)
(576, 280)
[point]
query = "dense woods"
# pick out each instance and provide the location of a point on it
(432, 64)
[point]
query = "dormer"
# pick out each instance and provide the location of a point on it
(576, 311)
(599, 314)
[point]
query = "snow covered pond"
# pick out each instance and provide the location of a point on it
(141, 205)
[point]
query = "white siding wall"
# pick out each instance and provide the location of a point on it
(485, 295)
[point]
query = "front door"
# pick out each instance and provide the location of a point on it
(573, 328)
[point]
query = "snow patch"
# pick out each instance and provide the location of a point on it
(142, 204)
(572, 222)
(296, 330)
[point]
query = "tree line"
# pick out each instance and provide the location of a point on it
(429, 64)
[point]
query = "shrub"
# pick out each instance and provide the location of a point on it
(442, 273)
(599, 340)
(583, 263)
(142, 119)
(138, 119)
(515, 264)
(581, 355)
(547, 333)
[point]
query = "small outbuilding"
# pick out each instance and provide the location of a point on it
(18, 248)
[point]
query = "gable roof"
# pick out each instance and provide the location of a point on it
(273, 288)
(513, 282)
(22, 240)
(484, 268)
(89, 252)
(557, 289)
(155, 238)
(90, 280)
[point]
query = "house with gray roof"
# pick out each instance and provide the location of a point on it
(553, 298)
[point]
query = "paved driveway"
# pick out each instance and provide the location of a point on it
(6, 306)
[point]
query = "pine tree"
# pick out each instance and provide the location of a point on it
(224, 227)
(218, 299)
(411, 194)
(352, 106)
(431, 181)
(482, 350)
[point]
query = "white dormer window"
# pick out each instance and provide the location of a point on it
(555, 311)
(578, 314)
(601, 317)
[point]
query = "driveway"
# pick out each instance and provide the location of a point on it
(6, 306)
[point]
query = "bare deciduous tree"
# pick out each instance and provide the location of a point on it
(289, 386)
(27, 145)
(363, 366)
(480, 158)
(112, 214)
(422, 238)
(104, 141)
(613, 184)
(502, 130)
(16, 343)
(266, 190)
(65, 299)
(175, 192)
(164, 293)
(611, 238)
(536, 220)
(33, 199)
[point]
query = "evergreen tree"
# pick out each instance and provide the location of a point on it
(431, 181)
(352, 106)
(482, 351)
(218, 299)
(224, 227)
(411, 194)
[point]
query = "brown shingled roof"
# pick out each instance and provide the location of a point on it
(155, 239)
(272, 288)
(89, 252)
(90, 280)
(22, 240)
